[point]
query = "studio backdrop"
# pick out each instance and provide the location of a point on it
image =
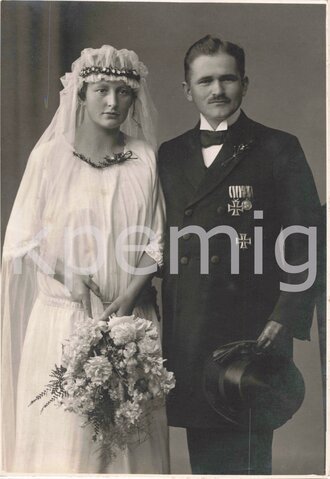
(285, 62)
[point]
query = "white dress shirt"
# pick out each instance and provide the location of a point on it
(210, 153)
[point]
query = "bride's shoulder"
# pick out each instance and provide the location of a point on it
(141, 148)
(50, 154)
(41, 152)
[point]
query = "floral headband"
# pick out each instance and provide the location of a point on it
(110, 71)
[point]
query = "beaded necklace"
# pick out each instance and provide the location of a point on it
(114, 159)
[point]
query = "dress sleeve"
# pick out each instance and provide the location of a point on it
(155, 247)
(24, 229)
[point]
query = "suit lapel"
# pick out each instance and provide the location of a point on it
(193, 164)
(241, 133)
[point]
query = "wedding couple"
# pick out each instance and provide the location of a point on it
(92, 175)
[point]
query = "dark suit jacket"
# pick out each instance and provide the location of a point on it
(204, 311)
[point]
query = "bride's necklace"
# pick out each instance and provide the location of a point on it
(114, 159)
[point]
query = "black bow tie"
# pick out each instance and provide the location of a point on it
(210, 138)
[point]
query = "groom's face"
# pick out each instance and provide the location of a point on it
(215, 86)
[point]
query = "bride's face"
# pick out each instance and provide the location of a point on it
(108, 102)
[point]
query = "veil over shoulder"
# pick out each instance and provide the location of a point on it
(56, 194)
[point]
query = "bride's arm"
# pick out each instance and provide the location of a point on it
(153, 254)
(124, 304)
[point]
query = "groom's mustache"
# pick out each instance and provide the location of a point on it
(216, 99)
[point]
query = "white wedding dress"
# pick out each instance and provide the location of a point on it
(84, 214)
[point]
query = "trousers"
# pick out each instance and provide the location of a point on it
(213, 451)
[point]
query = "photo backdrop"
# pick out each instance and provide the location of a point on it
(285, 56)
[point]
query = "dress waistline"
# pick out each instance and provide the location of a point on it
(59, 302)
(147, 296)
(65, 303)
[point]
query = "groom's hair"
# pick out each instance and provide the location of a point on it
(211, 45)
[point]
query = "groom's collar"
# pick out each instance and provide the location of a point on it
(223, 125)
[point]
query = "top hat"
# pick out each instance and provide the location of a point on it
(251, 388)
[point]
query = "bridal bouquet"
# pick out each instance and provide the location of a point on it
(112, 375)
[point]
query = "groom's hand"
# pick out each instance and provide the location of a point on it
(272, 333)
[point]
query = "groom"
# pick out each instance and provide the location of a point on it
(230, 171)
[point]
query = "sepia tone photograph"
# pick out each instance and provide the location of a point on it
(163, 201)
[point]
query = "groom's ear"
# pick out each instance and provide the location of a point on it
(187, 91)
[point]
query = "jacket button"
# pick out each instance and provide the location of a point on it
(188, 212)
(220, 210)
(215, 259)
(184, 260)
(186, 236)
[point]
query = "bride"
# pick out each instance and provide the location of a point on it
(89, 212)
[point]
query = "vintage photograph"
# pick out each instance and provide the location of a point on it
(163, 238)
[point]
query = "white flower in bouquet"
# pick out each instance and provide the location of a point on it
(130, 350)
(120, 320)
(123, 334)
(98, 370)
(148, 346)
(142, 326)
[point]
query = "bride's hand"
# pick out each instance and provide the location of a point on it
(122, 306)
(81, 288)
